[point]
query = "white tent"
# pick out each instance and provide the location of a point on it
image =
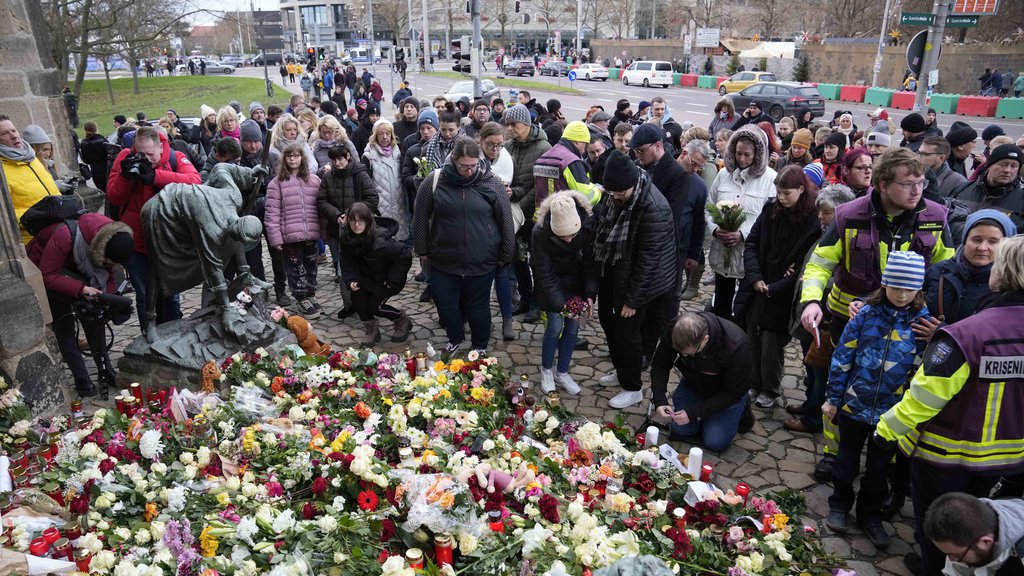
(770, 50)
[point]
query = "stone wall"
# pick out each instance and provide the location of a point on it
(30, 85)
(959, 65)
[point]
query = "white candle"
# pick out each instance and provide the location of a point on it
(696, 460)
(651, 439)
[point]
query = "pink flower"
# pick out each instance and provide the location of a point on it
(274, 489)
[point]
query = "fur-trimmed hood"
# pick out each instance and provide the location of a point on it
(581, 204)
(756, 136)
(98, 246)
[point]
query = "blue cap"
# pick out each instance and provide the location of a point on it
(992, 217)
(427, 116)
(815, 172)
(904, 270)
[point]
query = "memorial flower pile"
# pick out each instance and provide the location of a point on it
(360, 464)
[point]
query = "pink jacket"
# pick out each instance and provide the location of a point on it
(291, 210)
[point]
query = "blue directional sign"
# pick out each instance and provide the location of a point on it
(572, 75)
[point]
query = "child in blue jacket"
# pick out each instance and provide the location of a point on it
(871, 367)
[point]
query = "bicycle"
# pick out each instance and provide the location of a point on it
(270, 88)
(109, 309)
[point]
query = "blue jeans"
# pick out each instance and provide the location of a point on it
(815, 398)
(716, 430)
(560, 334)
(454, 294)
(167, 307)
(503, 286)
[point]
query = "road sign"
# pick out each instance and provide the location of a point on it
(916, 19)
(623, 52)
(933, 78)
(501, 51)
(959, 21)
(976, 7)
(916, 50)
(687, 41)
(708, 37)
(572, 76)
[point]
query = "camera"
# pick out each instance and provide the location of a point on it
(134, 162)
(112, 308)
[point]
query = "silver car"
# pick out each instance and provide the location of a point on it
(212, 67)
(465, 88)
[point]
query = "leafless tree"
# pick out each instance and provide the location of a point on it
(854, 18)
(770, 13)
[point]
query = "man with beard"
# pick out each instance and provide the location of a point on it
(405, 125)
(998, 186)
(479, 114)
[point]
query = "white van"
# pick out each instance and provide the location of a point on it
(361, 56)
(648, 73)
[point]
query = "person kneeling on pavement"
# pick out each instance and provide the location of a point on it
(713, 356)
(77, 266)
(977, 535)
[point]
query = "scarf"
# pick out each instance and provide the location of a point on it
(236, 134)
(24, 154)
(97, 275)
(384, 150)
(613, 233)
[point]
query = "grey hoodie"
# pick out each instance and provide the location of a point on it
(1009, 544)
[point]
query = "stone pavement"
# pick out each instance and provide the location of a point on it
(769, 458)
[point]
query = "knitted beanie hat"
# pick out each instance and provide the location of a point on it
(904, 270)
(565, 220)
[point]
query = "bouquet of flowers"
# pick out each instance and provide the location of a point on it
(727, 215)
(576, 309)
(423, 167)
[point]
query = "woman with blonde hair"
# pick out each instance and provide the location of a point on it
(329, 133)
(308, 122)
(286, 131)
(383, 161)
(227, 124)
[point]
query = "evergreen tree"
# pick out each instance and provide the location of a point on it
(802, 72)
(734, 63)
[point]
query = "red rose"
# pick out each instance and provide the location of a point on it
(319, 485)
(309, 511)
(107, 465)
(549, 508)
(387, 530)
(367, 500)
(80, 504)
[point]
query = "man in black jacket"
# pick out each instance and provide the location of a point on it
(998, 186)
(635, 254)
(754, 114)
(713, 356)
(674, 184)
(405, 125)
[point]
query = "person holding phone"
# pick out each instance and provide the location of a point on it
(710, 402)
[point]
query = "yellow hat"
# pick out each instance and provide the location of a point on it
(576, 131)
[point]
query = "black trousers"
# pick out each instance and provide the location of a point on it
(624, 335)
(64, 322)
(874, 484)
(368, 305)
(725, 291)
(930, 482)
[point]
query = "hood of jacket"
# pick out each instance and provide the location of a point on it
(98, 245)
(581, 203)
(350, 170)
(1011, 530)
(753, 134)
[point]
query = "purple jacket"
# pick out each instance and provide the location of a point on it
(291, 210)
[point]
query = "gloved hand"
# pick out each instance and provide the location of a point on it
(146, 173)
(260, 171)
(126, 164)
(882, 442)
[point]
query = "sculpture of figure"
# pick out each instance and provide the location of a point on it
(197, 234)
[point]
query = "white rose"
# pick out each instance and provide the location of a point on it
(296, 413)
(142, 536)
(153, 571)
(233, 483)
(90, 451)
(186, 458)
(488, 445)
(104, 500)
(156, 529)
(190, 472)
(158, 468)
(102, 561)
(468, 543)
(203, 457)
(90, 542)
(122, 533)
(327, 524)
(250, 490)
(540, 416)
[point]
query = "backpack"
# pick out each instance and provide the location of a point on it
(50, 210)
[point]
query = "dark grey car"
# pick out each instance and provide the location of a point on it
(781, 98)
(520, 68)
(554, 68)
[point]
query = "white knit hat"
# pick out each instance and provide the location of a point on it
(565, 221)
(205, 111)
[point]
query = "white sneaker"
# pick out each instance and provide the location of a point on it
(565, 381)
(765, 401)
(547, 380)
(626, 398)
(612, 379)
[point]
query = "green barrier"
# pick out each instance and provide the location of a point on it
(1008, 107)
(879, 97)
(614, 73)
(707, 82)
(945, 103)
(830, 91)
(676, 77)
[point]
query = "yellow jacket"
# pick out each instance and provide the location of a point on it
(28, 182)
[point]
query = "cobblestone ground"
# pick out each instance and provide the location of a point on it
(769, 458)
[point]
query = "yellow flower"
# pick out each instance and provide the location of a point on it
(482, 395)
(223, 499)
(208, 543)
(456, 365)
(339, 442)
(438, 366)
(442, 379)
(151, 512)
(780, 521)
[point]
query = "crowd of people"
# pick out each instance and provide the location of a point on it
(891, 256)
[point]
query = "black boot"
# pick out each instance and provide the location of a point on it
(893, 504)
(84, 387)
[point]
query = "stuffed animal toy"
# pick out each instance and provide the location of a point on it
(209, 376)
(306, 337)
(242, 301)
(518, 394)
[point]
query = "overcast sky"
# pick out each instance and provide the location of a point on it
(216, 6)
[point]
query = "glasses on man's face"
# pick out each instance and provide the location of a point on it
(928, 154)
(466, 168)
(921, 184)
(643, 149)
(963, 554)
(492, 145)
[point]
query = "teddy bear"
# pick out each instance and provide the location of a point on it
(491, 479)
(306, 338)
(242, 301)
(518, 394)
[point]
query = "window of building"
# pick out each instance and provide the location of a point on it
(314, 15)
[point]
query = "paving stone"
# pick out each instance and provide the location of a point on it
(803, 443)
(800, 455)
(861, 545)
(836, 545)
(795, 480)
(894, 566)
(777, 450)
(794, 466)
(863, 568)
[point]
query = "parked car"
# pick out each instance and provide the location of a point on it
(212, 67)
(648, 72)
(741, 80)
(520, 68)
(465, 88)
(233, 61)
(781, 98)
(592, 71)
(554, 68)
(273, 59)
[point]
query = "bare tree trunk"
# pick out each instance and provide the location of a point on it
(135, 71)
(83, 49)
(106, 74)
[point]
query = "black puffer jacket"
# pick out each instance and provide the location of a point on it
(465, 225)
(648, 268)
(379, 264)
(560, 270)
(1008, 199)
(773, 245)
(340, 189)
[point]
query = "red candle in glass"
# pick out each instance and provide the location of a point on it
(743, 490)
(495, 522)
(51, 535)
(443, 549)
(136, 390)
(119, 404)
(73, 530)
(82, 559)
(410, 366)
(641, 439)
(705, 472)
(39, 547)
(62, 549)
(152, 395)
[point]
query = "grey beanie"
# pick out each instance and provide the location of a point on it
(34, 134)
(251, 131)
(517, 113)
(254, 106)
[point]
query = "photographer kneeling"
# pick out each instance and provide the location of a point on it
(76, 259)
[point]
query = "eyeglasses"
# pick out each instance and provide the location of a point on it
(866, 168)
(928, 154)
(467, 168)
(921, 184)
(492, 146)
(963, 554)
(643, 149)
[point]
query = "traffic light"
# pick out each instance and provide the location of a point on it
(320, 53)
(517, 6)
